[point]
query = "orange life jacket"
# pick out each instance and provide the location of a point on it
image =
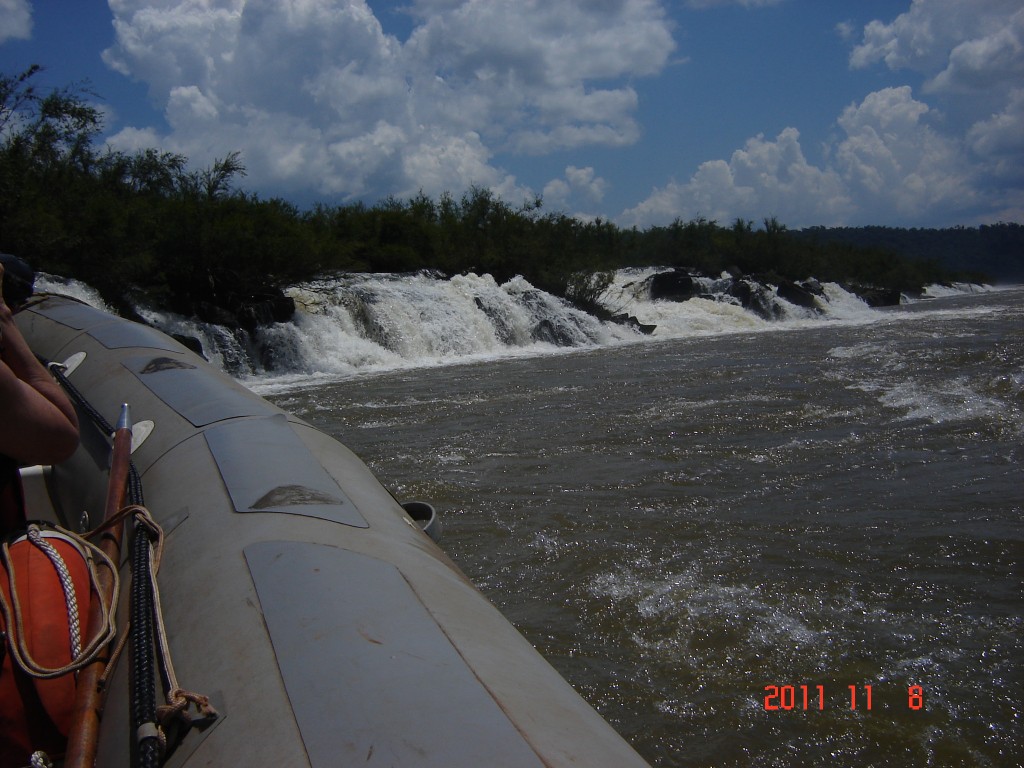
(36, 714)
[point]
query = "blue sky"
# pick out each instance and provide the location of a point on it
(819, 112)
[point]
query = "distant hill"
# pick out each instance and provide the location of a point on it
(995, 251)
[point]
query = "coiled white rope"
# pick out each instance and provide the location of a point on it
(66, 584)
(81, 656)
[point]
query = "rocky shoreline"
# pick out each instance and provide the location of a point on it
(244, 312)
(757, 293)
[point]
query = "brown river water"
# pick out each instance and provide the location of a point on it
(790, 546)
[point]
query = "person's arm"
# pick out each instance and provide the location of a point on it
(38, 424)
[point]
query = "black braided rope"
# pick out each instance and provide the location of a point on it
(141, 671)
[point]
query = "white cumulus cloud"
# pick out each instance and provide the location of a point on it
(897, 158)
(317, 96)
(578, 187)
(992, 60)
(15, 20)
(962, 46)
(701, 4)
(892, 160)
(765, 178)
(1001, 133)
(971, 53)
(924, 37)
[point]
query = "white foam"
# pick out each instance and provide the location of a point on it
(46, 283)
(698, 317)
(937, 290)
(220, 346)
(718, 312)
(366, 324)
(843, 305)
(950, 401)
(686, 595)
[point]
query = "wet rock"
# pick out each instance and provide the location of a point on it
(209, 312)
(877, 297)
(677, 285)
(500, 321)
(757, 297)
(798, 294)
(632, 322)
(247, 312)
(548, 332)
(265, 309)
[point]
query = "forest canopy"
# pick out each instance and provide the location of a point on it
(145, 225)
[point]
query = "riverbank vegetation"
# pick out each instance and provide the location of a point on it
(144, 225)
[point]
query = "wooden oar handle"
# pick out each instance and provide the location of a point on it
(85, 728)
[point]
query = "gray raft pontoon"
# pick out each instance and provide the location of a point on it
(327, 628)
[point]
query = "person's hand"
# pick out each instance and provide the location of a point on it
(38, 423)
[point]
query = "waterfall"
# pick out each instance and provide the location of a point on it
(366, 322)
(362, 323)
(725, 304)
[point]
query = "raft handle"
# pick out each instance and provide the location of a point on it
(425, 515)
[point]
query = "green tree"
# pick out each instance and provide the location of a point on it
(189, 240)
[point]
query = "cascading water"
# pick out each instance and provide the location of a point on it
(727, 305)
(367, 322)
(230, 350)
(47, 283)
(358, 323)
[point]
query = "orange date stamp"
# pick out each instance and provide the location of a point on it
(812, 697)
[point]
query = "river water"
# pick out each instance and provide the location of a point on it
(745, 542)
(680, 525)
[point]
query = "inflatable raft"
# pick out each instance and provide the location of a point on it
(326, 627)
